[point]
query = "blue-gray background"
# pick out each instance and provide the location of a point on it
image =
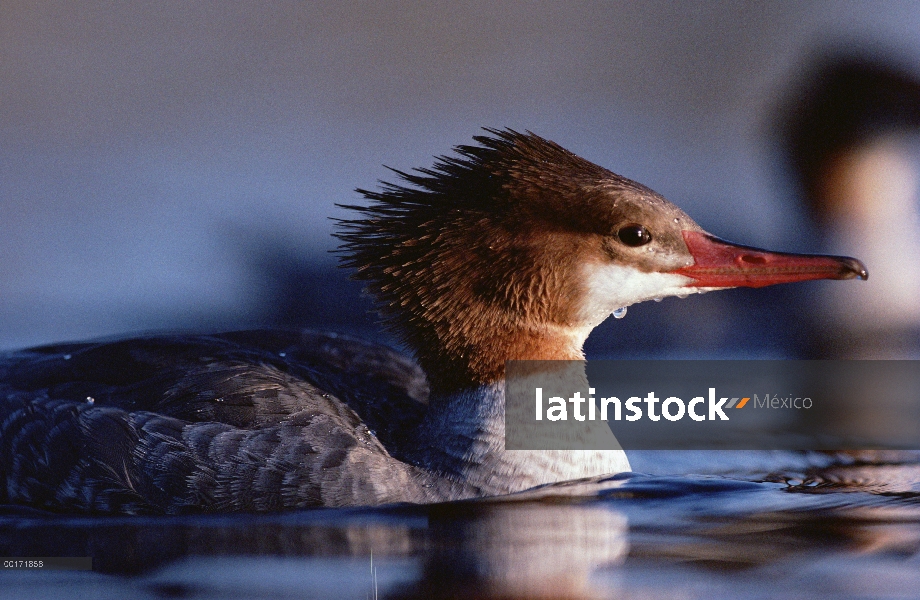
(174, 165)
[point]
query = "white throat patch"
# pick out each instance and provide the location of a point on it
(609, 287)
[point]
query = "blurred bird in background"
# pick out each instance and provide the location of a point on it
(851, 138)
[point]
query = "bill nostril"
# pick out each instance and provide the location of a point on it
(753, 260)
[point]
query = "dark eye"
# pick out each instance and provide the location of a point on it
(634, 235)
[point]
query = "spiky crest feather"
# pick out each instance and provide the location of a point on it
(450, 257)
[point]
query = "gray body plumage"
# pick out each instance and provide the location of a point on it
(249, 421)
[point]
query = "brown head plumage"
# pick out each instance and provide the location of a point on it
(472, 259)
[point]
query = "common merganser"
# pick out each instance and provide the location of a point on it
(514, 249)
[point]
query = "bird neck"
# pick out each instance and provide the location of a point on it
(478, 358)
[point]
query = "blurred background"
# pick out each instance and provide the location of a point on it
(175, 165)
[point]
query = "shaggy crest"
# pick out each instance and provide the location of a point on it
(461, 248)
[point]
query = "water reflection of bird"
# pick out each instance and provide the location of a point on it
(515, 249)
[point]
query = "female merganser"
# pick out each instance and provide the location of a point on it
(515, 249)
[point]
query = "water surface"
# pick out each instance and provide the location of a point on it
(823, 526)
